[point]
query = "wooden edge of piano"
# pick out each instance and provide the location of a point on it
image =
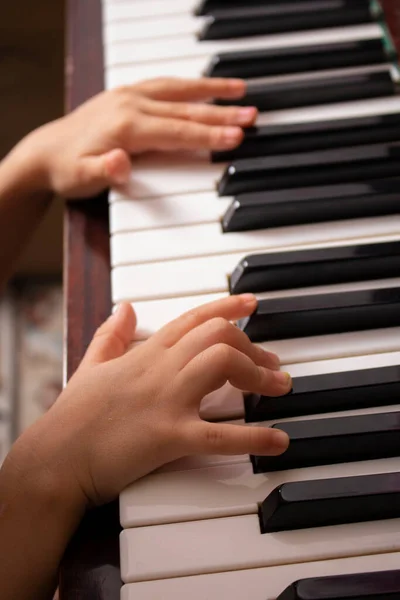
(90, 568)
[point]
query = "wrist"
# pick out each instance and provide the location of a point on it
(34, 473)
(27, 164)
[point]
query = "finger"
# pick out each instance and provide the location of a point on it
(230, 308)
(156, 133)
(202, 113)
(113, 338)
(95, 173)
(220, 331)
(219, 438)
(211, 369)
(191, 90)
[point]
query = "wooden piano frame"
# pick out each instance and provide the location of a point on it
(90, 569)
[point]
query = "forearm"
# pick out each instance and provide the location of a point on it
(24, 200)
(38, 516)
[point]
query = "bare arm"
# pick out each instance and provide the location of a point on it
(24, 200)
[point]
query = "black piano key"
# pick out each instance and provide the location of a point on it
(243, 21)
(381, 585)
(340, 165)
(319, 135)
(263, 210)
(282, 61)
(324, 502)
(338, 440)
(299, 92)
(323, 314)
(207, 7)
(321, 266)
(330, 392)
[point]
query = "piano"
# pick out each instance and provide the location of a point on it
(324, 515)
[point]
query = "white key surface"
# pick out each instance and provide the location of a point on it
(208, 239)
(149, 50)
(228, 544)
(262, 584)
(224, 491)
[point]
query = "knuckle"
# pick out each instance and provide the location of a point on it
(220, 327)
(223, 355)
(214, 436)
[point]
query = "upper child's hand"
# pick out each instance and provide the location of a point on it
(126, 412)
(89, 149)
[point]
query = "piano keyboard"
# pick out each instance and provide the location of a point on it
(304, 214)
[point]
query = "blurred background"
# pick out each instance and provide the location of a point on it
(31, 93)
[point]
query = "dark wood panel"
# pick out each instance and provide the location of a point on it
(90, 569)
(91, 566)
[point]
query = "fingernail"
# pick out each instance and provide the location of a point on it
(280, 439)
(231, 136)
(284, 378)
(248, 299)
(245, 115)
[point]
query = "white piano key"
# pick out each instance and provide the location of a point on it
(187, 68)
(353, 343)
(258, 584)
(177, 172)
(155, 28)
(154, 314)
(225, 491)
(142, 9)
(208, 239)
(228, 544)
(128, 214)
(200, 275)
(150, 50)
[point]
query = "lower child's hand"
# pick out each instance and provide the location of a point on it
(90, 149)
(127, 411)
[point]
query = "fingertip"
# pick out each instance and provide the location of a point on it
(230, 137)
(284, 379)
(117, 166)
(248, 300)
(236, 87)
(124, 314)
(279, 441)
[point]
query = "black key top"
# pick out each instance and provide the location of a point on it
(263, 210)
(339, 440)
(322, 314)
(321, 266)
(287, 17)
(325, 167)
(298, 59)
(299, 92)
(382, 585)
(207, 7)
(319, 135)
(330, 392)
(324, 502)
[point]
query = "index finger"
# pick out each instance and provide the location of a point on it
(191, 90)
(230, 308)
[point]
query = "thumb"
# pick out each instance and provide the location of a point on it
(219, 438)
(113, 338)
(106, 170)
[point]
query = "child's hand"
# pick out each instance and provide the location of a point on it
(126, 412)
(90, 149)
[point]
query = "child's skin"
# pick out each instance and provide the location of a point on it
(124, 412)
